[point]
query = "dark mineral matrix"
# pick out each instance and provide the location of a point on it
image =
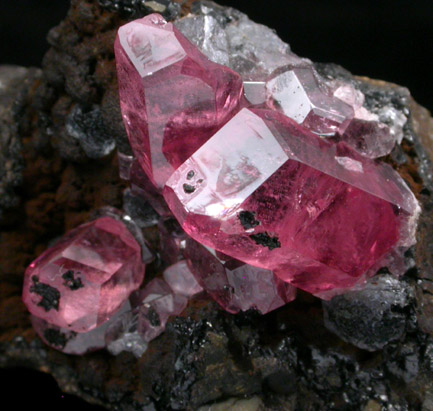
(211, 222)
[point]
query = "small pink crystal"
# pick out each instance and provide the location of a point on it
(157, 304)
(234, 285)
(365, 133)
(181, 280)
(172, 97)
(283, 199)
(80, 282)
(298, 94)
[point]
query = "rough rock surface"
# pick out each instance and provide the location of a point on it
(284, 360)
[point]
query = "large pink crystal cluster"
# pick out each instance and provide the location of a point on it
(262, 186)
(279, 180)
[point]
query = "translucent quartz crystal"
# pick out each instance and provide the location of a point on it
(181, 280)
(157, 304)
(299, 95)
(139, 210)
(70, 342)
(229, 37)
(122, 335)
(153, 306)
(172, 97)
(283, 199)
(370, 134)
(234, 285)
(81, 281)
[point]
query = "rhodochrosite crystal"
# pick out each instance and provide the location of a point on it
(157, 303)
(81, 281)
(299, 95)
(173, 99)
(181, 280)
(279, 197)
(153, 306)
(234, 285)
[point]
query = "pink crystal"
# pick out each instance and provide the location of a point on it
(298, 94)
(157, 304)
(283, 199)
(181, 280)
(70, 342)
(80, 282)
(369, 138)
(234, 285)
(365, 133)
(172, 97)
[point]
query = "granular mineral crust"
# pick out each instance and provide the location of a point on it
(286, 359)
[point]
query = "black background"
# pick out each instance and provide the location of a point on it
(386, 39)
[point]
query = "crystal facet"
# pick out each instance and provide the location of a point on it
(122, 335)
(234, 285)
(283, 199)
(181, 280)
(370, 134)
(70, 342)
(81, 281)
(157, 304)
(299, 95)
(172, 97)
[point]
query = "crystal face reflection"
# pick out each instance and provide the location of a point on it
(299, 95)
(323, 214)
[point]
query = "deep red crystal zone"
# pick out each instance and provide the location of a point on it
(278, 197)
(81, 281)
(173, 98)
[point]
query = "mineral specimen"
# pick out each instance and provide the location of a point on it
(172, 97)
(300, 194)
(234, 285)
(81, 281)
(207, 358)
